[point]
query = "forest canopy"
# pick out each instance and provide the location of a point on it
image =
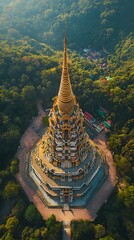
(30, 71)
(101, 23)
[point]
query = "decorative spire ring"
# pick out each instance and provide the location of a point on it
(65, 95)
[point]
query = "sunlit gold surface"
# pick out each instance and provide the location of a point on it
(65, 95)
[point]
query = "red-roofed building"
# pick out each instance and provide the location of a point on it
(109, 121)
(87, 116)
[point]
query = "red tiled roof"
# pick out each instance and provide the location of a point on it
(87, 116)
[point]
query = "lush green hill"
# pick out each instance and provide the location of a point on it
(95, 23)
(30, 70)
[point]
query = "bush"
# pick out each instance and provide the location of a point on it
(12, 223)
(32, 215)
(11, 190)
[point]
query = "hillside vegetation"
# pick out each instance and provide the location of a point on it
(30, 70)
(95, 23)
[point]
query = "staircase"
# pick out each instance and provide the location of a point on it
(66, 231)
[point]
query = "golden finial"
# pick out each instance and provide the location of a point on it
(65, 95)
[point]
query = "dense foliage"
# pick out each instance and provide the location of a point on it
(117, 96)
(27, 75)
(30, 71)
(100, 22)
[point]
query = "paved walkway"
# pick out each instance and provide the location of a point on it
(66, 230)
(29, 138)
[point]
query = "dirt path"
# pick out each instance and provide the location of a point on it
(106, 189)
(29, 138)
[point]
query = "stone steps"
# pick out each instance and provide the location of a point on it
(66, 231)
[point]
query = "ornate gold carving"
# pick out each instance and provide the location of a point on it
(65, 95)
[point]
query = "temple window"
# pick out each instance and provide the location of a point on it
(66, 134)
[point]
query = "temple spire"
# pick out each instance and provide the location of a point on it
(65, 94)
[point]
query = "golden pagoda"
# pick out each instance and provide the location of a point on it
(66, 97)
(66, 141)
(65, 165)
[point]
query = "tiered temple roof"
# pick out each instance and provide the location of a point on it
(65, 163)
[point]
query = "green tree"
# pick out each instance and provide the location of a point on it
(4, 174)
(2, 229)
(130, 229)
(12, 224)
(44, 233)
(14, 168)
(27, 232)
(9, 236)
(99, 231)
(113, 223)
(32, 215)
(107, 238)
(82, 230)
(18, 208)
(128, 196)
(11, 190)
(51, 221)
(37, 233)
